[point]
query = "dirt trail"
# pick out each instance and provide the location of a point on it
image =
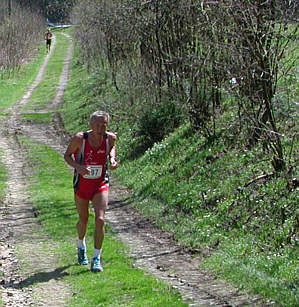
(154, 250)
(19, 226)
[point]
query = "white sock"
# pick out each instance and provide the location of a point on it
(97, 252)
(81, 243)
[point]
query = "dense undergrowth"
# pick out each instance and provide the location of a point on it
(217, 196)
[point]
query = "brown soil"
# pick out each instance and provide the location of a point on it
(20, 227)
(152, 249)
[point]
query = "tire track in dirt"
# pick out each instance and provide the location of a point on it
(157, 252)
(152, 249)
(19, 226)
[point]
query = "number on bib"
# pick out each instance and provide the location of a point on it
(95, 172)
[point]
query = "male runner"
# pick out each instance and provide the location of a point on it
(88, 153)
(48, 39)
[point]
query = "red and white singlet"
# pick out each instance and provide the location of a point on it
(95, 159)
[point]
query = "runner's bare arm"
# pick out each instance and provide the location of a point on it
(112, 153)
(73, 147)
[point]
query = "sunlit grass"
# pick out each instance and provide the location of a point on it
(272, 274)
(121, 284)
(198, 190)
(37, 117)
(193, 190)
(46, 89)
(3, 178)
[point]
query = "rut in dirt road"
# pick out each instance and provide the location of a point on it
(157, 252)
(152, 249)
(19, 225)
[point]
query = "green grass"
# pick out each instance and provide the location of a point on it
(197, 190)
(85, 93)
(272, 274)
(37, 117)
(13, 85)
(190, 187)
(46, 89)
(71, 108)
(120, 284)
(3, 178)
(244, 230)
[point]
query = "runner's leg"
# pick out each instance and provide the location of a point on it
(83, 213)
(82, 208)
(100, 202)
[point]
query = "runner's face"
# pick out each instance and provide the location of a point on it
(99, 125)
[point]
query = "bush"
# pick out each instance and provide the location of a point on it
(158, 121)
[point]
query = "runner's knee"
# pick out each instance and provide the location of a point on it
(100, 221)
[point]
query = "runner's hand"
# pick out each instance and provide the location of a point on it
(113, 164)
(82, 170)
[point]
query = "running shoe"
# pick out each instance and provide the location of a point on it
(96, 265)
(82, 258)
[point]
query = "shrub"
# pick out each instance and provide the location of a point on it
(159, 120)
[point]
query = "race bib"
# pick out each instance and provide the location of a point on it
(95, 172)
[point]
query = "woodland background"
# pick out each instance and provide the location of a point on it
(220, 78)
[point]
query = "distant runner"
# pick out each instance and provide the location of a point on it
(88, 153)
(48, 39)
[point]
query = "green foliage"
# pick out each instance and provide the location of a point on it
(201, 192)
(3, 179)
(273, 274)
(84, 96)
(47, 86)
(58, 10)
(195, 53)
(158, 121)
(207, 192)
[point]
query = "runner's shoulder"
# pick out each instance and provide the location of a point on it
(78, 137)
(112, 135)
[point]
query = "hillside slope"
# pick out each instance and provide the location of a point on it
(220, 198)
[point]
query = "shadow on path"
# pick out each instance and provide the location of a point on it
(41, 277)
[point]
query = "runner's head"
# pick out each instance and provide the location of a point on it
(99, 121)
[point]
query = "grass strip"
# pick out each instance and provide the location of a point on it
(3, 179)
(37, 117)
(120, 284)
(201, 201)
(46, 89)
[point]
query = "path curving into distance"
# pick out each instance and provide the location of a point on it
(153, 250)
